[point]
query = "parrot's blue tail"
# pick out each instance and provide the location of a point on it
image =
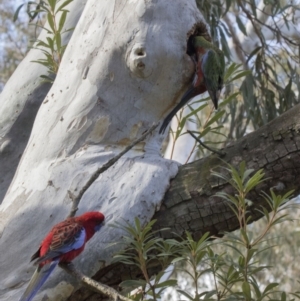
(39, 277)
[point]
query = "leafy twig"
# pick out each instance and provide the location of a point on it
(220, 153)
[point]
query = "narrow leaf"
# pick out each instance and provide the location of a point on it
(241, 25)
(167, 283)
(133, 283)
(217, 116)
(62, 21)
(246, 290)
(16, 14)
(63, 5)
(51, 22)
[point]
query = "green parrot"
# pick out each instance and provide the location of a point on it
(209, 75)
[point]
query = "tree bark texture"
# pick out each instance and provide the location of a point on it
(20, 101)
(190, 204)
(124, 68)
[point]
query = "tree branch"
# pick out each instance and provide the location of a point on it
(92, 284)
(215, 151)
(190, 204)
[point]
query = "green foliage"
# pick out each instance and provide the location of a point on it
(143, 248)
(266, 84)
(14, 40)
(240, 275)
(210, 122)
(233, 273)
(269, 79)
(52, 48)
(274, 75)
(194, 253)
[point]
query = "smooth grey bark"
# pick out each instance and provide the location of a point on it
(124, 68)
(21, 99)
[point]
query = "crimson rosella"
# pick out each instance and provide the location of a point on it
(209, 75)
(65, 241)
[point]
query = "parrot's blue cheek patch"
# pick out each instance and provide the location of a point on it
(98, 227)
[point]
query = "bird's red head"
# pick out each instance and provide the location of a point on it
(92, 219)
(92, 215)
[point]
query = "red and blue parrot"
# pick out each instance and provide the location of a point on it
(209, 75)
(65, 241)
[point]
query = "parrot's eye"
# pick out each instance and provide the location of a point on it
(97, 227)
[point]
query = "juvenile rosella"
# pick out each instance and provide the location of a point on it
(65, 241)
(209, 75)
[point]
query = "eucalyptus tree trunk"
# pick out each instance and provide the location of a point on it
(124, 68)
(20, 101)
